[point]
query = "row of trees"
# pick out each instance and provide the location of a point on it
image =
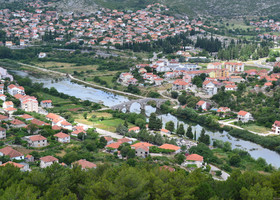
(133, 182)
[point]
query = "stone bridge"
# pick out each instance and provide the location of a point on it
(142, 102)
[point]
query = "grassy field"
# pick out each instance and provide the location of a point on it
(101, 120)
(247, 67)
(255, 128)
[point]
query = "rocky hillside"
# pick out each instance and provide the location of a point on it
(189, 7)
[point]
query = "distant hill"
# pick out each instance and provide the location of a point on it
(225, 8)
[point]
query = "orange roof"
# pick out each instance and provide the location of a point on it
(46, 101)
(55, 127)
(26, 116)
(165, 130)
(242, 113)
(49, 159)
(141, 144)
(14, 164)
(200, 103)
(61, 135)
(180, 82)
(10, 109)
(85, 164)
(108, 138)
(170, 147)
(124, 140)
(136, 128)
(194, 157)
(114, 145)
(37, 138)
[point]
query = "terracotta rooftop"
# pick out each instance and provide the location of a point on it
(170, 147)
(85, 164)
(9, 151)
(49, 159)
(61, 135)
(194, 157)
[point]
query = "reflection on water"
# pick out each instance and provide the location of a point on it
(110, 99)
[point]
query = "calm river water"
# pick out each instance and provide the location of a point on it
(110, 99)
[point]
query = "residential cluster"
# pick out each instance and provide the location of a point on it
(104, 27)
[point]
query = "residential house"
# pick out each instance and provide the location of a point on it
(8, 104)
(3, 97)
(46, 104)
(13, 154)
(210, 87)
(203, 105)
(194, 159)
(109, 140)
(142, 149)
(2, 133)
(36, 141)
(29, 158)
(244, 116)
(17, 123)
(236, 79)
(172, 147)
(113, 146)
(85, 164)
(179, 84)
(124, 140)
(136, 129)
(13, 90)
(165, 132)
(66, 125)
(276, 127)
(4, 118)
(230, 87)
(27, 117)
(234, 67)
(22, 167)
(62, 137)
(47, 161)
(215, 65)
(29, 104)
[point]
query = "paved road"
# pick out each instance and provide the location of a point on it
(224, 175)
(228, 123)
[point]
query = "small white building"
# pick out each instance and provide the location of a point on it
(42, 55)
(2, 133)
(62, 137)
(46, 104)
(13, 90)
(36, 141)
(244, 116)
(13, 154)
(194, 159)
(47, 161)
(276, 127)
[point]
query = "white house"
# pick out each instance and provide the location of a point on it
(215, 65)
(36, 141)
(194, 159)
(210, 87)
(47, 161)
(2, 133)
(244, 116)
(46, 104)
(276, 127)
(13, 90)
(203, 105)
(231, 88)
(13, 154)
(42, 55)
(62, 137)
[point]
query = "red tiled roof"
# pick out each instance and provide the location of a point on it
(13, 163)
(194, 157)
(136, 128)
(170, 147)
(141, 144)
(49, 159)
(26, 116)
(200, 103)
(17, 122)
(85, 164)
(55, 127)
(9, 151)
(277, 123)
(114, 145)
(242, 113)
(61, 135)
(37, 138)
(124, 140)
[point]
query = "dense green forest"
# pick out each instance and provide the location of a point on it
(133, 180)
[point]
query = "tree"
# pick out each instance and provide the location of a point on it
(204, 138)
(180, 158)
(235, 160)
(189, 133)
(182, 99)
(121, 129)
(180, 130)
(85, 115)
(154, 122)
(141, 123)
(174, 94)
(170, 126)
(125, 124)
(102, 142)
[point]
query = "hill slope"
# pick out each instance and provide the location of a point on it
(189, 7)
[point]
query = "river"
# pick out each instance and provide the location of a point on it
(110, 99)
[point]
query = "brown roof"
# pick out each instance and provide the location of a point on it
(85, 164)
(114, 145)
(9, 151)
(37, 138)
(124, 140)
(17, 122)
(26, 116)
(3, 117)
(38, 122)
(55, 127)
(49, 159)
